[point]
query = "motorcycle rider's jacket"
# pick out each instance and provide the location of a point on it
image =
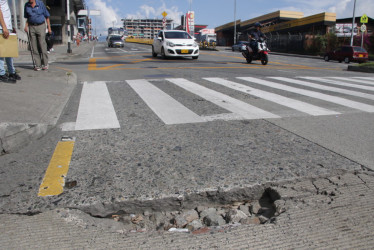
(256, 34)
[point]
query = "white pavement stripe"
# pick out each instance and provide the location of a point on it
(364, 81)
(324, 87)
(316, 95)
(96, 109)
(339, 83)
(282, 100)
(164, 106)
(365, 78)
(93, 51)
(243, 109)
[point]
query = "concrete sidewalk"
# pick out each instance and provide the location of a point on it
(32, 106)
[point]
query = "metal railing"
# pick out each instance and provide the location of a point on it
(23, 41)
(285, 42)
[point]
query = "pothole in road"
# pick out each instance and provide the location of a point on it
(199, 219)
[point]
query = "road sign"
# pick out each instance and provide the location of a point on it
(164, 14)
(95, 13)
(164, 22)
(363, 28)
(364, 19)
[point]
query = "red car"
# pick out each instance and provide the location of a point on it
(348, 54)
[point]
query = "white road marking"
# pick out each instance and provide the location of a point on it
(93, 51)
(96, 109)
(282, 100)
(360, 80)
(164, 106)
(339, 83)
(317, 95)
(324, 87)
(365, 78)
(243, 109)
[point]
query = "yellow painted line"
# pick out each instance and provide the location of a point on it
(273, 65)
(142, 60)
(111, 57)
(54, 179)
(92, 64)
(270, 67)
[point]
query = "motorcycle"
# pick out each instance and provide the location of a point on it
(261, 54)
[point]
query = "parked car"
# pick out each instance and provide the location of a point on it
(116, 41)
(175, 43)
(348, 54)
(238, 45)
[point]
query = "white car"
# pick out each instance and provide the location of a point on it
(175, 43)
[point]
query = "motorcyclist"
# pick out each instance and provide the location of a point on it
(254, 36)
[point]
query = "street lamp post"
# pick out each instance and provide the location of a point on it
(68, 23)
(353, 22)
(14, 15)
(234, 21)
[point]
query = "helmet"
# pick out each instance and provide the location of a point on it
(257, 24)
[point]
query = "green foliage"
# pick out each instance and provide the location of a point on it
(322, 43)
(369, 64)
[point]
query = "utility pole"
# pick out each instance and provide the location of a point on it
(234, 21)
(68, 23)
(353, 22)
(14, 15)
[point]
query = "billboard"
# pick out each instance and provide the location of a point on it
(345, 29)
(190, 23)
(207, 31)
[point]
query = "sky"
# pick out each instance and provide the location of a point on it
(215, 13)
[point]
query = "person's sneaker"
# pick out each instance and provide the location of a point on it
(37, 68)
(7, 79)
(45, 67)
(15, 76)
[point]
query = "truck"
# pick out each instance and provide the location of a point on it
(207, 37)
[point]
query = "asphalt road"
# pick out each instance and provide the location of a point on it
(147, 129)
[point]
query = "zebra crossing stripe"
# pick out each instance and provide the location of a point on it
(316, 95)
(243, 109)
(339, 83)
(164, 106)
(96, 110)
(363, 80)
(324, 87)
(282, 100)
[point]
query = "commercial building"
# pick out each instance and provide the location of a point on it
(145, 28)
(286, 30)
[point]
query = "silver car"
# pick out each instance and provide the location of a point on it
(116, 41)
(238, 46)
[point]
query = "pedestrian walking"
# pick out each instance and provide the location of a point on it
(78, 38)
(5, 27)
(37, 16)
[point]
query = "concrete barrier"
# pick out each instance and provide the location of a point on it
(139, 40)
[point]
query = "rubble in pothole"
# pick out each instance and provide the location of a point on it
(199, 220)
